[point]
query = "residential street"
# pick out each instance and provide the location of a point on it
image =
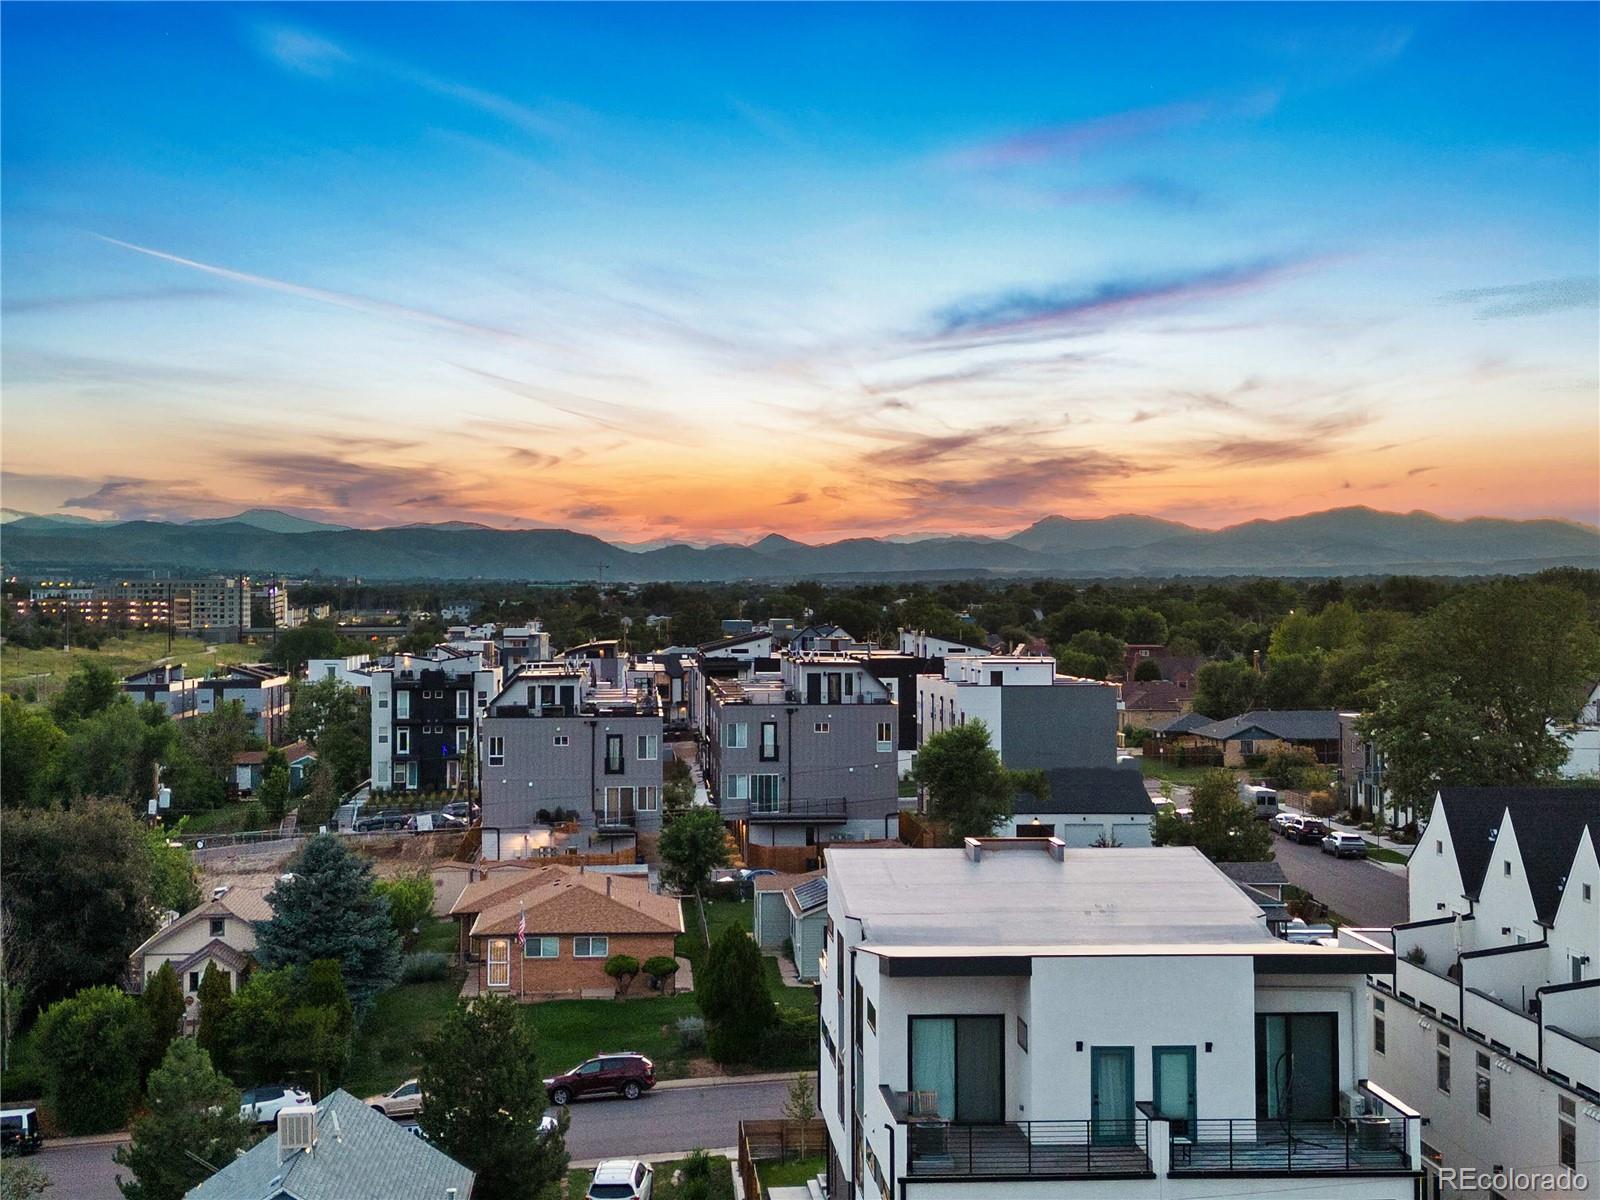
(670, 1120)
(1361, 891)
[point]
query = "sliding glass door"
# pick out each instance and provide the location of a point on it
(960, 1061)
(1297, 1066)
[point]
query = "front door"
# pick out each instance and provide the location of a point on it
(499, 962)
(1111, 1094)
(1172, 1077)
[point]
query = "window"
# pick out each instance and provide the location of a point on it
(1567, 1131)
(736, 736)
(872, 1016)
(1438, 847)
(463, 739)
(219, 927)
(500, 962)
(194, 981)
(647, 799)
(1379, 1030)
(1588, 893)
(411, 774)
(823, 727)
(645, 751)
(590, 947)
(997, 678)
(560, 739)
(452, 774)
(541, 947)
(402, 706)
(736, 787)
(766, 793)
(961, 1061)
(614, 764)
(402, 741)
(1484, 1108)
(1575, 967)
(383, 702)
(769, 741)
(383, 737)
(1442, 1063)
(1022, 1035)
(1505, 868)
(399, 775)
(497, 751)
(463, 705)
(885, 736)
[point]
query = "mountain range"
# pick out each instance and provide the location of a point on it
(1343, 541)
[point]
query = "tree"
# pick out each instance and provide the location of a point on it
(969, 791)
(485, 1098)
(21, 1181)
(214, 738)
(333, 718)
(1295, 767)
(323, 1023)
(33, 743)
(659, 969)
(294, 647)
(1146, 627)
(1103, 653)
(1225, 689)
(193, 1124)
(1222, 827)
(731, 991)
(1147, 671)
(274, 793)
(103, 753)
(163, 1009)
(410, 899)
(800, 1105)
(91, 689)
(623, 968)
(1466, 694)
(174, 881)
(692, 846)
(216, 1009)
(78, 886)
(1293, 681)
(325, 907)
(91, 1045)
(258, 1030)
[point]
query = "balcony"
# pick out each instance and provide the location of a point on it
(1029, 1149)
(1372, 1144)
(797, 811)
(615, 822)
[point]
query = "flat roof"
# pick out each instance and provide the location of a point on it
(1018, 899)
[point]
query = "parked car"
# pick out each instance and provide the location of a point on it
(1345, 845)
(464, 809)
(625, 1073)
(1287, 824)
(438, 820)
(1310, 831)
(379, 822)
(261, 1104)
(747, 877)
(19, 1131)
(404, 1101)
(622, 1179)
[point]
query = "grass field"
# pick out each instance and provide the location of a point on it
(792, 1172)
(1187, 776)
(46, 670)
(386, 1050)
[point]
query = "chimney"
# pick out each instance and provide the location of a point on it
(972, 848)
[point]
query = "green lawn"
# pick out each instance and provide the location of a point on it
(792, 1172)
(1156, 769)
(565, 1032)
(233, 817)
(720, 914)
(387, 1045)
(46, 669)
(1384, 854)
(721, 1180)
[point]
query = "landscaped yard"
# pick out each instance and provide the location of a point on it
(721, 1180)
(388, 1045)
(437, 934)
(791, 1172)
(1384, 854)
(47, 668)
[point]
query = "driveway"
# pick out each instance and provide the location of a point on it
(673, 1120)
(1362, 892)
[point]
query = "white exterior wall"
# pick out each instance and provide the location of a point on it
(1433, 876)
(239, 934)
(1583, 752)
(1576, 930)
(382, 740)
(1086, 829)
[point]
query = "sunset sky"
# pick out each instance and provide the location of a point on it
(709, 271)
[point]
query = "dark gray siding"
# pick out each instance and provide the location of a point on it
(1063, 726)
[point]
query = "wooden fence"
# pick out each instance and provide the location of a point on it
(773, 1141)
(916, 830)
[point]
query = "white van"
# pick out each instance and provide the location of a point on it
(1263, 799)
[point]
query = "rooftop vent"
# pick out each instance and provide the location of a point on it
(217, 893)
(297, 1129)
(976, 848)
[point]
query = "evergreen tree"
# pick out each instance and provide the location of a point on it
(91, 1046)
(485, 1098)
(194, 1115)
(216, 1007)
(732, 993)
(326, 908)
(323, 1024)
(163, 1009)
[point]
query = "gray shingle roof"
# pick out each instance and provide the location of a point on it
(1291, 725)
(1187, 722)
(1089, 790)
(360, 1155)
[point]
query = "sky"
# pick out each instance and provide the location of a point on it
(703, 272)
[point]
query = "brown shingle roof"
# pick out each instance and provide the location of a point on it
(587, 902)
(245, 904)
(294, 751)
(481, 893)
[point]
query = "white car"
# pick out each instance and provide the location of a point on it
(261, 1104)
(622, 1179)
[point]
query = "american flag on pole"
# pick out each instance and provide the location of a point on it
(522, 927)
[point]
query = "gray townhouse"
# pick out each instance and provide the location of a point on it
(801, 756)
(554, 738)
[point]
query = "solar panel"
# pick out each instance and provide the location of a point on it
(811, 893)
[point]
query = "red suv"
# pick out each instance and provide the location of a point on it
(625, 1073)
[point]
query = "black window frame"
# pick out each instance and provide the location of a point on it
(763, 746)
(615, 764)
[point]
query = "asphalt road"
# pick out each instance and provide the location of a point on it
(1363, 892)
(676, 1119)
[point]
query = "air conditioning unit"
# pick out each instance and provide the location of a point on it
(1353, 1102)
(297, 1129)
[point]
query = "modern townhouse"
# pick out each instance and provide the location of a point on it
(1489, 1021)
(802, 756)
(262, 689)
(1036, 717)
(556, 739)
(926, 645)
(1020, 1019)
(523, 643)
(425, 711)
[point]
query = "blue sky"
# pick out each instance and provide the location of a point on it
(672, 270)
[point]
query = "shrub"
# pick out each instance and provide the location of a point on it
(425, 966)
(623, 968)
(1321, 804)
(91, 1045)
(791, 1041)
(691, 1034)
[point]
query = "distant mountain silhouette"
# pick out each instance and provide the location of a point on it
(270, 519)
(1346, 541)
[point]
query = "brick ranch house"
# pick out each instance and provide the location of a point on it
(576, 920)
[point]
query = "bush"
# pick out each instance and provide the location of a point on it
(92, 1045)
(425, 966)
(791, 1041)
(623, 968)
(691, 1034)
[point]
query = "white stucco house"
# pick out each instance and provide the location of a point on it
(1022, 1020)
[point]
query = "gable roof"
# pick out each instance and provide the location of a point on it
(501, 884)
(293, 752)
(1089, 790)
(583, 902)
(1291, 725)
(216, 950)
(360, 1155)
(1155, 695)
(1187, 723)
(1549, 824)
(810, 896)
(782, 881)
(243, 903)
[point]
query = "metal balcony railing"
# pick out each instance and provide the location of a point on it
(1286, 1147)
(832, 808)
(615, 820)
(1058, 1149)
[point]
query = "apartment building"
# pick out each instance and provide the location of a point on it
(523, 643)
(425, 711)
(262, 689)
(557, 738)
(219, 604)
(1020, 1020)
(1036, 717)
(801, 756)
(1489, 1021)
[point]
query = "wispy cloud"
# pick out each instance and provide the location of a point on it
(796, 498)
(1419, 471)
(1073, 138)
(31, 304)
(1017, 485)
(1150, 190)
(1531, 299)
(1318, 437)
